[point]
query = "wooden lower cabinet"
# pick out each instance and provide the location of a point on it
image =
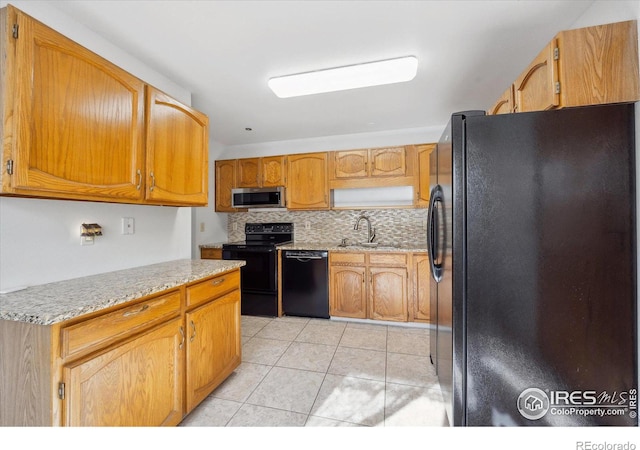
(213, 347)
(348, 291)
(210, 253)
(147, 362)
(419, 310)
(388, 295)
(369, 286)
(137, 383)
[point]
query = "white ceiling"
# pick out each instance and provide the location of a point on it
(225, 51)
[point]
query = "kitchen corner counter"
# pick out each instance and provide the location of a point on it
(51, 303)
(334, 247)
(213, 245)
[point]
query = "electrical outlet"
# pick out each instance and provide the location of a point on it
(128, 225)
(307, 225)
(201, 227)
(234, 226)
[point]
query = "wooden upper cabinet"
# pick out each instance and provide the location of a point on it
(248, 172)
(505, 104)
(387, 162)
(599, 64)
(225, 173)
(273, 171)
(260, 172)
(421, 181)
(375, 162)
(49, 83)
(307, 182)
(76, 126)
(586, 66)
(536, 88)
(177, 151)
(350, 164)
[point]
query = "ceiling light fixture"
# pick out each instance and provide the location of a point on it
(356, 76)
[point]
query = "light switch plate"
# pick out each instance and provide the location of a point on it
(128, 225)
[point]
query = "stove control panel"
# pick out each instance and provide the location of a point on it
(268, 228)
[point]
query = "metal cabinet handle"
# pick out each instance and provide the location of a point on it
(153, 181)
(137, 311)
(193, 336)
(139, 175)
(182, 336)
(218, 282)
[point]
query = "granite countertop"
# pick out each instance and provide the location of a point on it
(51, 303)
(213, 245)
(335, 247)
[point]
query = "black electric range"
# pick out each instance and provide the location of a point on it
(259, 277)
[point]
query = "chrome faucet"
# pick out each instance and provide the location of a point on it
(371, 232)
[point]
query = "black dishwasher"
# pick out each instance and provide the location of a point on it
(305, 284)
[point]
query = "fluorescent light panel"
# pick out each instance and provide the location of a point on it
(376, 73)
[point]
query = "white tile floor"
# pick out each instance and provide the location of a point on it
(315, 372)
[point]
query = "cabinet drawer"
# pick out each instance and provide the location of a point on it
(211, 253)
(347, 258)
(388, 259)
(212, 288)
(103, 330)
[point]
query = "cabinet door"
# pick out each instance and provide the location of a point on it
(307, 183)
(225, 181)
(248, 172)
(535, 88)
(388, 297)
(137, 383)
(504, 105)
(177, 152)
(422, 187)
(213, 346)
(421, 287)
(348, 293)
(211, 253)
(388, 162)
(599, 64)
(77, 127)
(350, 164)
(273, 171)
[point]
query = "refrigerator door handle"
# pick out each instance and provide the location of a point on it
(433, 226)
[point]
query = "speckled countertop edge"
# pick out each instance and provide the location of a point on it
(213, 245)
(334, 247)
(51, 303)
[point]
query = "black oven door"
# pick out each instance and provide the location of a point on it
(258, 278)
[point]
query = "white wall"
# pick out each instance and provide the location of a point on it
(215, 224)
(40, 239)
(339, 142)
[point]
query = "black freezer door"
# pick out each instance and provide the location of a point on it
(547, 294)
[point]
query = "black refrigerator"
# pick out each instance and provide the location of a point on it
(532, 246)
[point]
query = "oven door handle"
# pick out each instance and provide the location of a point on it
(249, 249)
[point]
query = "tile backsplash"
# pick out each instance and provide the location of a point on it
(392, 226)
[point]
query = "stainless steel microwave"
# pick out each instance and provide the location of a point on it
(272, 197)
